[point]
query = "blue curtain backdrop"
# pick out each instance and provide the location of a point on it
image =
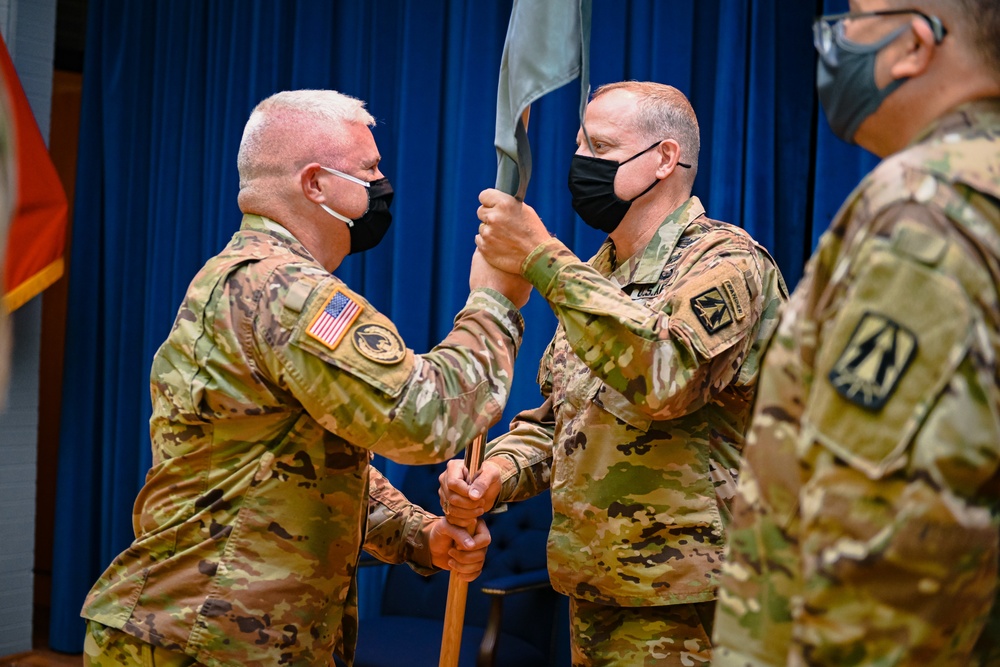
(168, 85)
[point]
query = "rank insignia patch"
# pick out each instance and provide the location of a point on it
(712, 310)
(381, 345)
(873, 361)
(331, 323)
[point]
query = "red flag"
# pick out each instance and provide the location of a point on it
(37, 235)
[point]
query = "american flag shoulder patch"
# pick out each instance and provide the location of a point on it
(331, 323)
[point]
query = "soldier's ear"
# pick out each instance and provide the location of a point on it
(309, 181)
(919, 51)
(670, 154)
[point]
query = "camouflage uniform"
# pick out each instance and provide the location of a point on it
(274, 387)
(646, 402)
(110, 647)
(865, 528)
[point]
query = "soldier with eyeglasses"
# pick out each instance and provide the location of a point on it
(866, 529)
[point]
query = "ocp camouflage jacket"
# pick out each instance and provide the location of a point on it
(648, 383)
(274, 387)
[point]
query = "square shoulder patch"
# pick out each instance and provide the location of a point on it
(712, 311)
(336, 317)
(873, 361)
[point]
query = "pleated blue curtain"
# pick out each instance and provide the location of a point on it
(168, 86)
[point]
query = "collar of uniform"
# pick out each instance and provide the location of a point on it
(646, 265)
(259, 223)
(955, 148)
(970, 115)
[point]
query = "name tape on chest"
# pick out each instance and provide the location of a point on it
(647, 291)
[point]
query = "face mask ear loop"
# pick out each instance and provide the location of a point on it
(366, 184)
(338, 216)
(876, 46)
(651, 186)
(352, 179)
(642, 152)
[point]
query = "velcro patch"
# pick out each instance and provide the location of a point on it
(712, 310)
(331, 323)
(379, 344)
(734, 299)
(298, 293)
(873, 361)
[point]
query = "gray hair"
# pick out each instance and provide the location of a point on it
(293, 125)
(663, 112)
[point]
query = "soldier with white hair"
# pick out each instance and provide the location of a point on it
(275, 386)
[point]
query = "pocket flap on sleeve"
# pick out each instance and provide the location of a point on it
(344, 330)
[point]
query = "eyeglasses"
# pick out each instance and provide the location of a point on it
(829, 29)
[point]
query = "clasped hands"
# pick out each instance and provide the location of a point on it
(459, 547)
(465, 500)
(508, 231)
(459, 539)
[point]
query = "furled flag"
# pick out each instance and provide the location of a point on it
(547, 46)
(37, 234)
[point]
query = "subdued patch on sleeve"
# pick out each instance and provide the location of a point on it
(896, 340)
(715, 308)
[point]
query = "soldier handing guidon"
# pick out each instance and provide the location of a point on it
(275, 386)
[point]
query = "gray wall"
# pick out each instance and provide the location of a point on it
(28, 28)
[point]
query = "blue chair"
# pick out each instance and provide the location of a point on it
(513, 618)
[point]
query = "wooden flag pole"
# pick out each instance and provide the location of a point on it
(454, 611)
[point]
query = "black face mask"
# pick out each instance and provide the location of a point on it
(845, 82)
(368, 230)
(592, 186)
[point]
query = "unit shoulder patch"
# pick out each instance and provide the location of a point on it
(711, 303)
(712, 311)
(873, 361)
(378, 343)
